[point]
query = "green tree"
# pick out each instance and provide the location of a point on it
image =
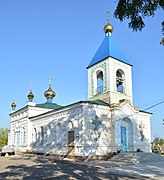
(156, 141)
(136, 11)
(3, 136)
(158, 144)
(161, 142)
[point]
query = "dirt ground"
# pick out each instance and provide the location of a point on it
(41, 167)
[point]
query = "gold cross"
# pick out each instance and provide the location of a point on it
(108, 16)
(50, 80)
(30, 86)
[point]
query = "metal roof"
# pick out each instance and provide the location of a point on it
(49, 105)
(108, 48)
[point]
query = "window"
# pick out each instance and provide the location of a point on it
(23, 136)
(35, 134)
(120, 81)
(58, 134)
(42, 135)
(99, 88)
(49, 134)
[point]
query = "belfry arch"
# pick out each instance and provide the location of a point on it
(120, 81)
(99, 82)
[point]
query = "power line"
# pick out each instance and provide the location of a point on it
(154, 105)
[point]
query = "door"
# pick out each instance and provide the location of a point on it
(123, 139)
(71, 148)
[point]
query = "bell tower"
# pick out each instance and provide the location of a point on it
(109, 73)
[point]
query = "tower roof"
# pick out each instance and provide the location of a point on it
(108, 48)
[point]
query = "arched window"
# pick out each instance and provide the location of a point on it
(23, 136)
(100, 86)
(49, 134)
(48, 130)
(35, 134)
(17, 139)
(42, 135)
(58, 134)
(120, 81)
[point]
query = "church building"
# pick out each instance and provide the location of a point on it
(106, 122)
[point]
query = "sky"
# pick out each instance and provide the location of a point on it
(58, 39)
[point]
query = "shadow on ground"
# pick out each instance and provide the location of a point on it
(45, 168)
(155, 170)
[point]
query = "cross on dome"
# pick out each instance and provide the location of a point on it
(108, 16)
(50, 80)
(108, 28)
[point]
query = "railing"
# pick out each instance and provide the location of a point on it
(99, 90)
(120, 89)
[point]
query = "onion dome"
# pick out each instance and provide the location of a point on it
(30, 96)
(108, 28)
(49, 94)
(13, 105)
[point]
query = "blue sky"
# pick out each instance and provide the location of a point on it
(42, 38)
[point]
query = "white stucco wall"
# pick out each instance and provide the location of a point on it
(96, 129)
(89, 140)
(139, 124)
(143, 131)
(109, 68)
(69, 118)
(20, 124)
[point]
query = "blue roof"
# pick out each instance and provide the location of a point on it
(108, 48)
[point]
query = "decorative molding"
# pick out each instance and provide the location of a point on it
(118, 64)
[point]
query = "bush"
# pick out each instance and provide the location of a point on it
(3, 137)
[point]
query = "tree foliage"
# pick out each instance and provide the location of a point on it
(162, 41)
(136, 11)
(161, 142)
(3, 136)
(158, 144)
(158, 141)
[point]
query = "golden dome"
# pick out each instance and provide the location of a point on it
(30, 95)
(108, 28)
(13, 105)
(49, 94)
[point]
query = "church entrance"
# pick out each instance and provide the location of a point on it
(126, 135)
(123, 139)
(71, 148)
